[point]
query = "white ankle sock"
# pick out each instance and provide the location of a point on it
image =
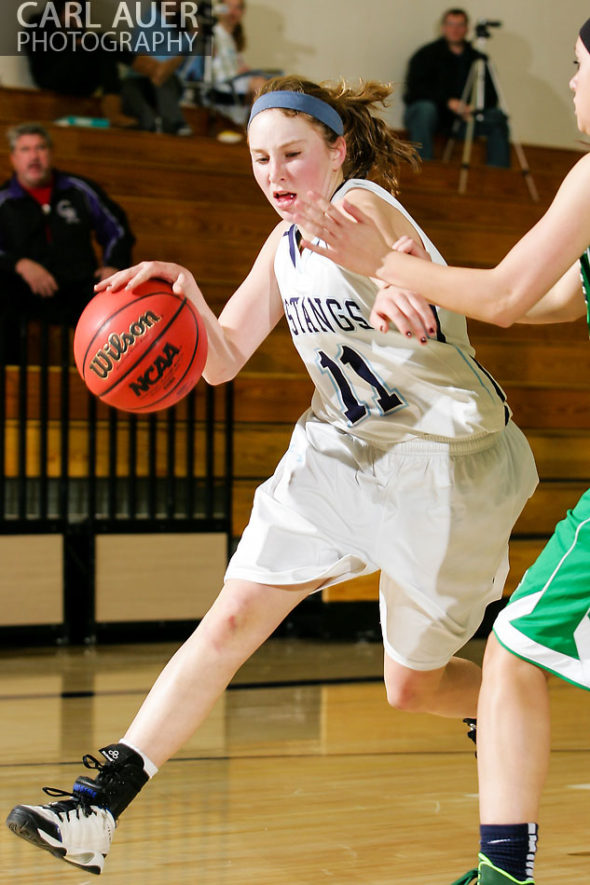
(150, 768)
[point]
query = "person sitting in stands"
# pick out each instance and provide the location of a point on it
(233, 84)
(73, 69)
(151, 90)
(48, 219)
(435, 83)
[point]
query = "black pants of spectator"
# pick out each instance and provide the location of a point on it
(77, 73)
(424, 118)
(19, 305)
(153, 106)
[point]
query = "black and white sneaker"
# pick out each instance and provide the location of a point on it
(79, 826)
(70, 829)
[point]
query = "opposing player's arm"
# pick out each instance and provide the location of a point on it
(563, 303)
(531, 269)
(248, 317)
(389, 221)
(501, 295)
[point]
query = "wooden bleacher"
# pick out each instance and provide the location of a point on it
(194, 201)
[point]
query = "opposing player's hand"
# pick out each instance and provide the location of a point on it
(352, 239)
(408, 312)
(181, 279)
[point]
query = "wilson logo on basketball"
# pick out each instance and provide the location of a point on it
(154, 373)
(117, 345)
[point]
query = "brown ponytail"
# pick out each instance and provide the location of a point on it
(374, 150)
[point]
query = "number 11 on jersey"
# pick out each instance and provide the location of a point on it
(354, 408)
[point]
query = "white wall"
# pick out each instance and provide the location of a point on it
(532, 52)
(14, 71)
(325, 39)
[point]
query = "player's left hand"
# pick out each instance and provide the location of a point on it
(408, 312)
(409, 246)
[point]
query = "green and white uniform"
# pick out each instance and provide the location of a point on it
(547, 620)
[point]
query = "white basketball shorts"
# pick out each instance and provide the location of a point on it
(434, 518)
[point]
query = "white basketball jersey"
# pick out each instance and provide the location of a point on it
(381, 386)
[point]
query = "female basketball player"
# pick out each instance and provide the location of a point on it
(544, 629)
(404, 448)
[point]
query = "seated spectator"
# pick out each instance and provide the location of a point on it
(151, 90)
(435, 84)
(72, 69)
(232, 85)
(48, 219)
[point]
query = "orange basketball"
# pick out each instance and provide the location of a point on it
(140, 351)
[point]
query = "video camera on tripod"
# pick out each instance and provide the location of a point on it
(473, 95)
(483, 25)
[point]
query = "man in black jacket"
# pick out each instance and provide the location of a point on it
(435, 83)
(48, 222)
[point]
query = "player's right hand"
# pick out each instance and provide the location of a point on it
(131, 277)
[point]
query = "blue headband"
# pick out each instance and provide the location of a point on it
(300, 101)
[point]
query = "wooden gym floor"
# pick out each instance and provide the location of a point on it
(301, 775)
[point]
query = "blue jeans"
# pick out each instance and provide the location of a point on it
(422, 120)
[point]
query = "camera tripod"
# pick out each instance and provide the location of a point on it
(474, 96)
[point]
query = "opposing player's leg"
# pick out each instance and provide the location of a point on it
(543, 629)
(78, 827)
(513, 757)
(514, 737)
